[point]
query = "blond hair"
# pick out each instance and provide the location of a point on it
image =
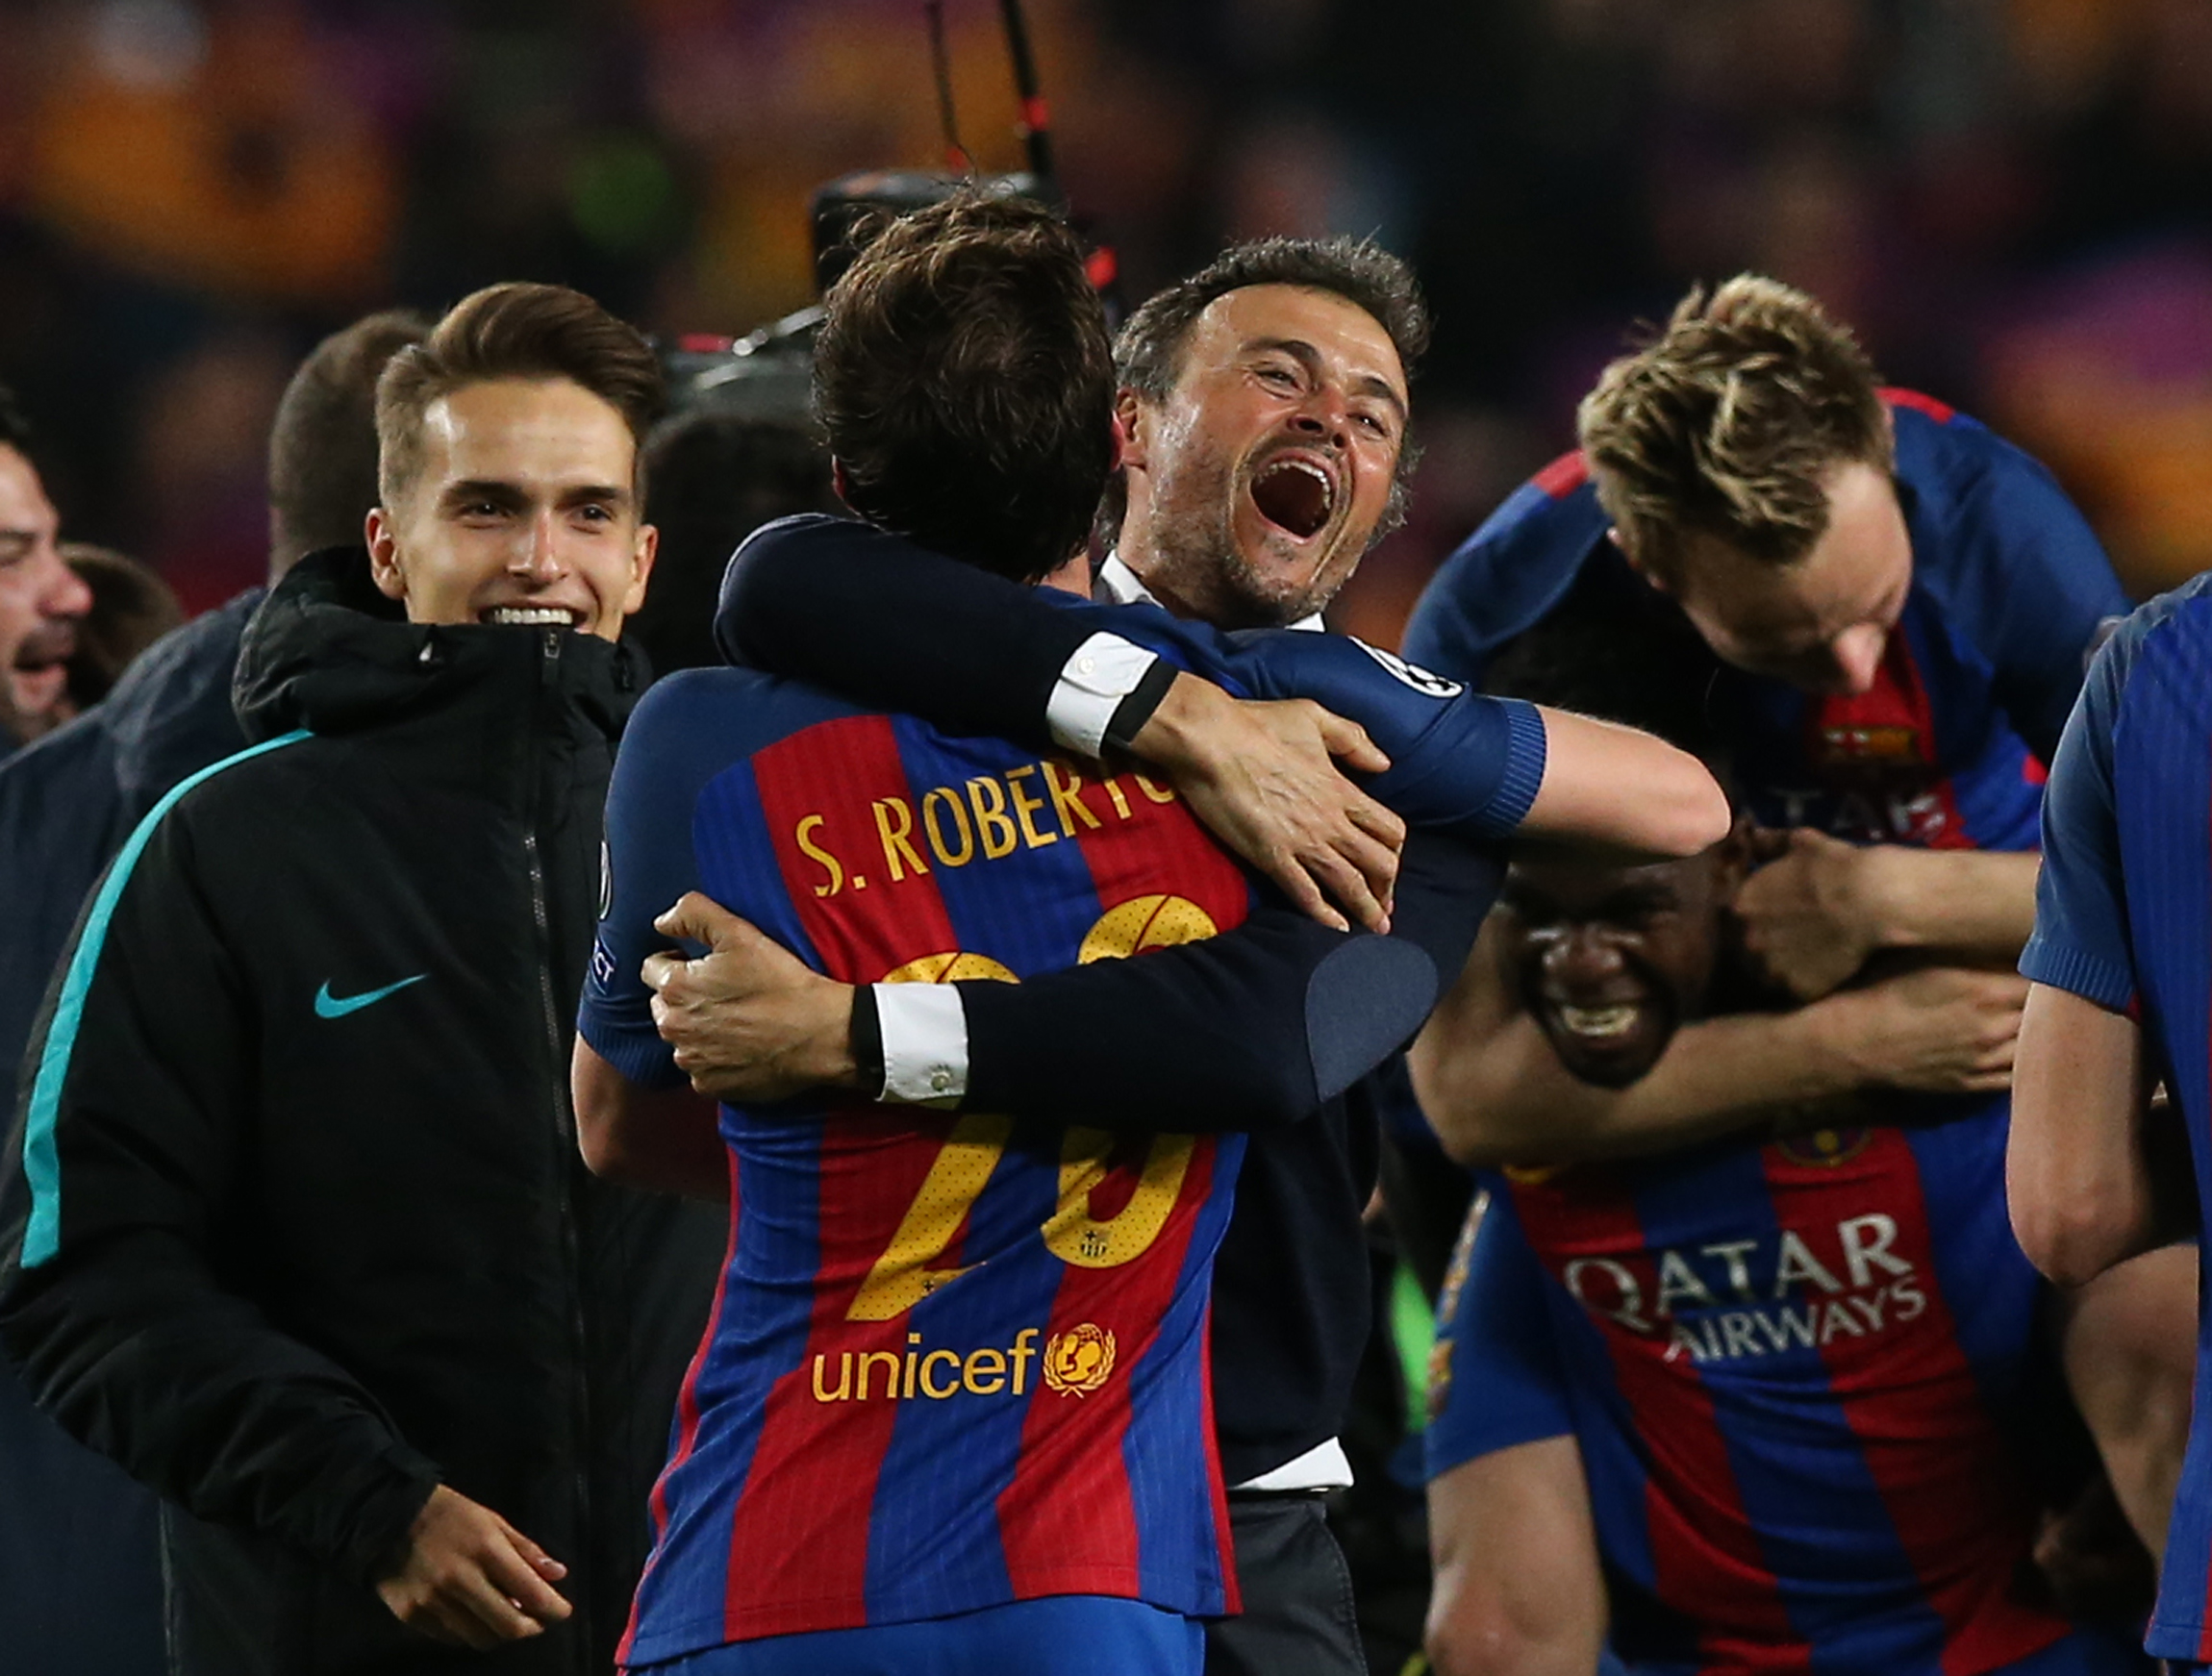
(1728, 422)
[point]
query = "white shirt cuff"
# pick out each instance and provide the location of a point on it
(1105, 670)
(925, 1044)
(1323, 1467)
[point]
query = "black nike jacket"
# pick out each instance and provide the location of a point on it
(299, 1227)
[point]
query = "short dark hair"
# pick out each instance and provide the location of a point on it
(715, 479)
(965, 382)
(1148, 354)
(131, 607)
(511, 331)
(1633, 661)
(322, 445)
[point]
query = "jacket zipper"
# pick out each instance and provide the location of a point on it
(565, 1128)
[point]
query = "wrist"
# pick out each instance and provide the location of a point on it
(830, 1056)
(1828, 1040)
(1175, 735)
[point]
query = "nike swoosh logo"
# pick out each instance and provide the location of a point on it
(329, 1005)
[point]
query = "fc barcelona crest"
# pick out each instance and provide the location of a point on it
(1824, 1148)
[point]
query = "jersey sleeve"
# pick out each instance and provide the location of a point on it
(894, 626)
(647, 862)
(1495, 1379)
(2029, 581)
(2082, 942)
(1460, 762)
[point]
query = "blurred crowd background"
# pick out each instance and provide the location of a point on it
(2011, 199)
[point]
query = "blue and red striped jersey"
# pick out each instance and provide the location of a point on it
(2123, 918)
(1947, 749)
(957, 1361)
(1791, 1369)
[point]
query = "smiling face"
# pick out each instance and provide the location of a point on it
(41, 602)
(1821, 622)
(1610, 962)
(1256, 484)
(524, 509)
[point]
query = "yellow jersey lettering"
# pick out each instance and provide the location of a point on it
(844, 1379)
(948, 801)
(1114, 792)
(814, 852)
(992, 821)
(1157, 793)
(983, 1373)
(868, 1359)
(1026, 806)
(1023, 1350)
(895, 825)
(1064, 784)
(1076, 1237)
(901, 1277)
(929, 1388)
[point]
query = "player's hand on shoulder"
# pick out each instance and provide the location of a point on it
(470, 1578)
(1939, 1030)
(1807, 912)
(1264, 777)
(748, 1019)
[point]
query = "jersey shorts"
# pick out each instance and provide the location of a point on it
(1791, 1370)
(2123, 919)
(957, 1362)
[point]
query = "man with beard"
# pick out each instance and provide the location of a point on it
(1262, 406)
(1760, 1404)
(41, 598)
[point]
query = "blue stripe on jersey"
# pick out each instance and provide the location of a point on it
(1031, 924)
(761, 1333)
(737, 857)
(1988, 1287)
(947, 1464)
(1167, 1499)
(2162, 785)
(1815, 1506)
(1999, 805)
(41, 1160)
(761, 1337)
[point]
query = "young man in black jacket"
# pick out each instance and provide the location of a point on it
(301, 1237)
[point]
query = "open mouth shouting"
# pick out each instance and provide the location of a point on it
(1297, 494)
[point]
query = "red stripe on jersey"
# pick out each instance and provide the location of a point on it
(1706, 1556)
(814, 1472)
(1157, 841)
(1910, 1397)
(1145, 837)
(838, 790)
(1888, 728)
(1068, 1520)
(1942, 413)
(686, 1413)
(1564, 475)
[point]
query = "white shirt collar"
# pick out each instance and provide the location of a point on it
(1124, 587)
